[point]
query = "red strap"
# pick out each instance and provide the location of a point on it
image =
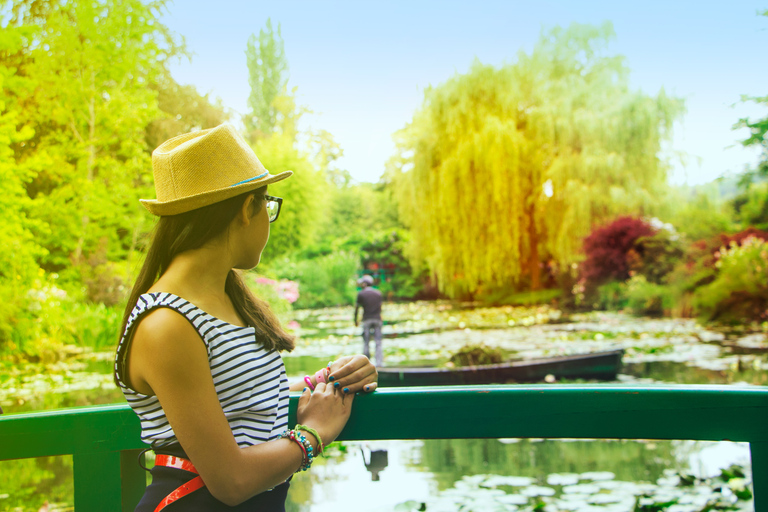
(174, 462)
(184, 489)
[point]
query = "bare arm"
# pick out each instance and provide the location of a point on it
(168, 356)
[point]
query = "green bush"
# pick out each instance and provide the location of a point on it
(48, 318)
(638, 295)
(386, 250)
(648, 298)
(739, 291)
(324, 281)
(612, 296)
(657, 255)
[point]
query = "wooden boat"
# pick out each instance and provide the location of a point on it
(597, 365)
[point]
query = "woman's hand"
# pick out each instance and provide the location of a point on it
(324, 410)
(350, 374)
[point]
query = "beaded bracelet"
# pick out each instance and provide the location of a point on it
(306, 447)
(320, 445)
(308, 380)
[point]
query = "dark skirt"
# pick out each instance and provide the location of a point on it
(166, 480)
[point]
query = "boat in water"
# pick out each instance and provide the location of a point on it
(592, 366)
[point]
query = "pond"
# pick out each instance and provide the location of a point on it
(475, 474)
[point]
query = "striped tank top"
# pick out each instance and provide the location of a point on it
(250, 381)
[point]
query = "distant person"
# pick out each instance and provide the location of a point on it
(370, 300)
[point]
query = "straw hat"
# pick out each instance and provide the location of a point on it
(202, 168)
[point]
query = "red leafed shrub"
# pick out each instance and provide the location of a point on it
(607, 248)
(725, 240)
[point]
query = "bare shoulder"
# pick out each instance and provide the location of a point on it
(163, 325)
(164, 345)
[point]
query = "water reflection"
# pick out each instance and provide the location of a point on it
(490, 474)
(686, 373)
(375, 462)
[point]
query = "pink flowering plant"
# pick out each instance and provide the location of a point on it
(285, 289)
(279, 294)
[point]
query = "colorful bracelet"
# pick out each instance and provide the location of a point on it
(308, 380)
(306, 448)
(320, 445)
(320, 375)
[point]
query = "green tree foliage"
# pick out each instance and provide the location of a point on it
(304, 195)
(758, 129)
(183, 110)
(87, 162)
(80, 82)
(271, 126)
(20, 250)
(504, 169)
(268, 77)
(700, 212)
(752, 204)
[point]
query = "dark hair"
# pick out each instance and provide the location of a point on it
(175, 234)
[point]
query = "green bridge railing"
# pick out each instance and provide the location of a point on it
(104, 440)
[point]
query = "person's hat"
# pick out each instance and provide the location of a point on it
(365, 279)
(202, 168)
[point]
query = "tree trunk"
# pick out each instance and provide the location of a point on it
(90, 175)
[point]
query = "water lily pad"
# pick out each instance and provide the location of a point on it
(510, 481)
(683, 508)
(536, 490)
(514, 499)
(596, 476)
(670, 481)
(585, 489)
(563, 479)
(603, 499)
(581, 507)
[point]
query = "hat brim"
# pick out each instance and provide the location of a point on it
(186, 204)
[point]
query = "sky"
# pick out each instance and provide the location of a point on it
(362, 66)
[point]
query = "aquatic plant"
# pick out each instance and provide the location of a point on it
(476, 354)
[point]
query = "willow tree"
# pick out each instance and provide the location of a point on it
(505, 170)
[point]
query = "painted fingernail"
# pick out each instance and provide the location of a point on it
(330, 379)
(305, 390)
(346, 390)
(335, 384)
(367, 388)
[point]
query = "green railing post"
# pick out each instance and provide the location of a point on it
(759, 454)
(97, 481)
(134, 478)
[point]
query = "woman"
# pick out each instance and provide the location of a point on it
(199, 357)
